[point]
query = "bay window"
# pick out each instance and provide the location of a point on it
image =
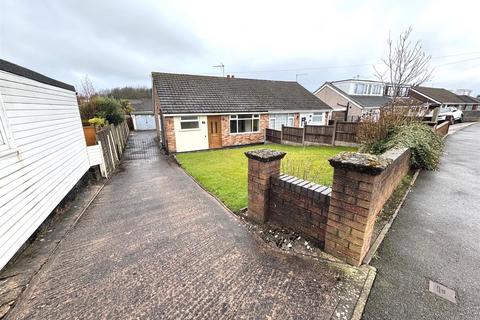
(243, 123)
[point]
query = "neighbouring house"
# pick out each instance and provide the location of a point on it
(202, 112)
(441, 98)
(471, 103)
(43, 153)
(143, 117)
(351, 99)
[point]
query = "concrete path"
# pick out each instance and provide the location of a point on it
(436, 236)
(155, 245)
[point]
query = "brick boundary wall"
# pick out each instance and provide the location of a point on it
(471, 115)
(442, 128)
(300, 204)
(362, 183)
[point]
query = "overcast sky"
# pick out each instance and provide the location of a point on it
(121, 42)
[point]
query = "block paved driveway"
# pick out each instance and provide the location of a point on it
(436, 236)
(155, 245)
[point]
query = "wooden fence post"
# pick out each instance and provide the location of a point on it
(281, 135)
(334, 132)
(304, 132)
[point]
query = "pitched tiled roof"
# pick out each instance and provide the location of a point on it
(27, 73)
(439, 94)
(468, 99)
(144, 105)
(371, 101)
(181, 93)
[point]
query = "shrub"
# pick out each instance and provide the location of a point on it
(110, 109)
(88, 110)
(426, 145)
(100, 107)
(97, 121)
(374, 129)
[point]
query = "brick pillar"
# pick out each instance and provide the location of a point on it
(354, 205)
(262, 164)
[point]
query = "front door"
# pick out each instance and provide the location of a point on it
(214, 132)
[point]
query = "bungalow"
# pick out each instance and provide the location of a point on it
(202, 112)
(471, 103)
(43, 153)
(440, 99)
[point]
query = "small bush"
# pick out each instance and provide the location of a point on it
(100, 107)
(426, 145)
(110, 109)
(97, 121)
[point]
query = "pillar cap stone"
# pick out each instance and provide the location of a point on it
(360, 162)
(265, 155)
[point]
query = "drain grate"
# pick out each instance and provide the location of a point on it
(442, 291)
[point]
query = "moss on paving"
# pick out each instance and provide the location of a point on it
(224, 172)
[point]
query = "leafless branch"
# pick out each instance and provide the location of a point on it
(406, 64)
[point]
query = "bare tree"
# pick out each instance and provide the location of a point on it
(406, 64)
(88, 91)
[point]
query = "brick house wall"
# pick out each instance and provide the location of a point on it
(299, 203)
(236, 139)
(169, 132)
(335, 100)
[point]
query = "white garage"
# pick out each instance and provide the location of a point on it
(143, 121)
(143, 117)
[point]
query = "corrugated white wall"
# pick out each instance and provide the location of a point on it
(50, 158)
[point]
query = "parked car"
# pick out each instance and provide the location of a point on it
(450, 113)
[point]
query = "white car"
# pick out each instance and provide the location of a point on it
(450, 113)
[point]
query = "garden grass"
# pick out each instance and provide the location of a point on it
(224, 172)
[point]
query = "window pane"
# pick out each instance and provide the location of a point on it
(271, 124)
(282, 119)
(233, 116)
(189, 125)
(245, 125)
(189, 118)
(290, 122)
(244, 116)
(255, 124)
(256, 116)
(359, 88)
(233, 126)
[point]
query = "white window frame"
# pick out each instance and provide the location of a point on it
(318, 114)
(234, 117)
(197, 120)
(7, 144)
(273, 116)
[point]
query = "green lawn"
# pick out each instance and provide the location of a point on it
(224, 172)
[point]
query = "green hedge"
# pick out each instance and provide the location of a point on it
(426, 145)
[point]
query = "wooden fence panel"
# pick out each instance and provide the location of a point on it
(292, 134)
(113, 141)
(274, 136)
(319, 134)
(346, 131)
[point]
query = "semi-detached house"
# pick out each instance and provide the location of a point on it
(204, 112)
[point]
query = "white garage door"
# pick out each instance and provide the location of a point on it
(144, 122)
